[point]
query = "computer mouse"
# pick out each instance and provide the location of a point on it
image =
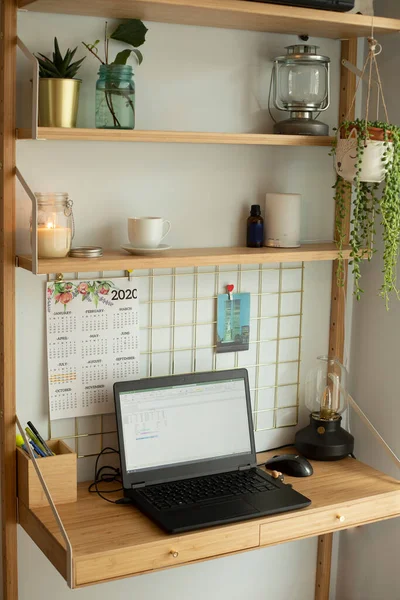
(290, 464)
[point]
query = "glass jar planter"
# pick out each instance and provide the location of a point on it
(115, 97)
(54, 224)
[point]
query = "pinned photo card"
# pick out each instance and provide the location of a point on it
(233, 321)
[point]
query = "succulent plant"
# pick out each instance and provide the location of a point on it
(59, 67)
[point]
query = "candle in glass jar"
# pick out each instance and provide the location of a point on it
(53, 241)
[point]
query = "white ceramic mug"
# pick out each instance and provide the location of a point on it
(147, 232)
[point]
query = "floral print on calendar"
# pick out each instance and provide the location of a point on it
(64, 292)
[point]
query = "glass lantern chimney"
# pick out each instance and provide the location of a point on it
(326, 389)
(301, 85)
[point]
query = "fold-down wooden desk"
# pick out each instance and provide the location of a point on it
(112, 541)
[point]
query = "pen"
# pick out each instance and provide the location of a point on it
(37, 449)
(20, 443)
(34, 439)
(41, 440)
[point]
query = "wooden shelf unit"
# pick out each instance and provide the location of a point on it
(174, 137)
(130, 543)
(344, 494)
(119, 260)
(229, 14)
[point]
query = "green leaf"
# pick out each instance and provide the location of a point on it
(65, 62)
(44, 58)
(122, 57)
(72, 69)
(139, 55)
(48, 65)
(56, 54)
(47, 69)
(132, 32)
(72, 53)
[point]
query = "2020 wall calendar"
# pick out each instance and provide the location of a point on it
(92, 341)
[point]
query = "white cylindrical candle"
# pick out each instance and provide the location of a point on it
(53, 242)
(282, 220)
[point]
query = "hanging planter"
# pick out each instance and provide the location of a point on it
(367, 153)
(373, 144)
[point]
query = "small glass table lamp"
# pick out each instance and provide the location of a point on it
(301, 81)
(326, 397)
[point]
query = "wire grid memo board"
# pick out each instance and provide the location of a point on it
(178, 333)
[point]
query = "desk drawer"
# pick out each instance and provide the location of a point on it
(309, 523)
(170, 552)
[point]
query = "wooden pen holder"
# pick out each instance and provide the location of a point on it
(59, 472)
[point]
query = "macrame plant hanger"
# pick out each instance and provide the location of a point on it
(374, 49)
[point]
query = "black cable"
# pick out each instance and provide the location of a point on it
(272, 449)
(104, 475)
(352, 456)
(107, 474)
(279, 447)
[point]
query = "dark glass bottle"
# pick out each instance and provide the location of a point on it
(255, 228)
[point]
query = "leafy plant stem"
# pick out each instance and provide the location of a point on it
(106, 43)
(108, 96)
(88, 47)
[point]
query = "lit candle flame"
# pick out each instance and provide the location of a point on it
(50, 225)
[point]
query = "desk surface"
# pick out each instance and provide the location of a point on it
(113, 541)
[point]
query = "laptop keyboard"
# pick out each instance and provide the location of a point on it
(187, 492)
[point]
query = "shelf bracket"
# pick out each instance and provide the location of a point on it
(353, 69)
(34, 233)
(70, 579)
(35, 86)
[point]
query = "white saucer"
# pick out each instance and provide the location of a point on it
(145, 251)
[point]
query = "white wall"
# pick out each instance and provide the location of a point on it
(191, 79)
(368, 556)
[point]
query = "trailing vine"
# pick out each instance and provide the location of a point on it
(367, 205)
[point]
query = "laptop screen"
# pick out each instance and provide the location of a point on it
(184, 423)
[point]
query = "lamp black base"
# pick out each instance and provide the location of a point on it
(324, 440)
(301, 127)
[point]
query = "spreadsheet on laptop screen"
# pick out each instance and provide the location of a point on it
(186, 423)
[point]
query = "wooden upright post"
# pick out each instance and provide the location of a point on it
(338, 306)
(338, 294)
(8, 39)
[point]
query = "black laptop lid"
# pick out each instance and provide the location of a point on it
(335, 5)
(183, 426)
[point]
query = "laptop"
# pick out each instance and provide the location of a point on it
(188, 457)
(335, 5)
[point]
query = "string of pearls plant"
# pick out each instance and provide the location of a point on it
(371, 201)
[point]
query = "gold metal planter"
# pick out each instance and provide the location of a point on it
(58, 102)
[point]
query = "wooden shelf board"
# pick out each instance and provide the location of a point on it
(119, 260)
(112, 541)
(230, 14)
(174, 137)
